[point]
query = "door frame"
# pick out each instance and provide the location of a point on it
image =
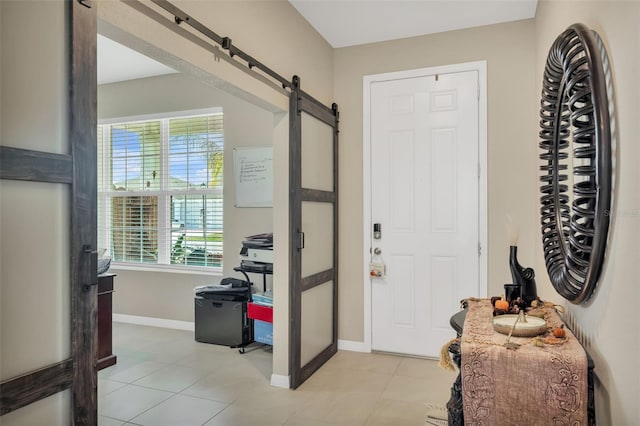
(368, 80)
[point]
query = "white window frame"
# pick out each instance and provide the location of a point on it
(164, 203)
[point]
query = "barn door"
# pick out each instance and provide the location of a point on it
(49, 272)
(314, 234)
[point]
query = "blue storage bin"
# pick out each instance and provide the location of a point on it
(263, 299)
(263, 332)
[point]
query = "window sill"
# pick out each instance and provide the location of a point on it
(172, 269)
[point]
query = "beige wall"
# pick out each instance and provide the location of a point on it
(244, 124)
(608, 324)
(509, 51)
(34, 248)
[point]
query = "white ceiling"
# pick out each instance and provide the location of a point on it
(119, 63)
(352, 22)
(345, 23)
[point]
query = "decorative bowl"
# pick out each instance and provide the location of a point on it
(103, 264)
(533, 326)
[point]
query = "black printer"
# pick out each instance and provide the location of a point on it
(221, 313)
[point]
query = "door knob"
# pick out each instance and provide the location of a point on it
(377, 251)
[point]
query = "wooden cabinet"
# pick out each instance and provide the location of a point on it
(105, 292)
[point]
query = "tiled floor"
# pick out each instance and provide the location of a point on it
(164, 377)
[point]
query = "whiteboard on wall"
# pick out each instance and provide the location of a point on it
(253, 176)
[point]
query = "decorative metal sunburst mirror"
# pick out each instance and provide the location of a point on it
(576, 171)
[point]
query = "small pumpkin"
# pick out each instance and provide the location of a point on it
(559, 332)
(502, 304)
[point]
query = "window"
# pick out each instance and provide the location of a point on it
(160, 190)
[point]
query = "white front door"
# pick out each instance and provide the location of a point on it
(425, 196)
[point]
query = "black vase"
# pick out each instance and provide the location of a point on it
(525, 277)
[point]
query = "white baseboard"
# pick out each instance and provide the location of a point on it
(350, 345)
(154, 322)
(280, 381)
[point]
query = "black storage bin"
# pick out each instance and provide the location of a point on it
(221, 316)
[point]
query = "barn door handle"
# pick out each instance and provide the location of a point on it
(86, 248)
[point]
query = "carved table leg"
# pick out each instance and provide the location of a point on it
(591, 404)
(454, 406)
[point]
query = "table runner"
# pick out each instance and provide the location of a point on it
(531, 385)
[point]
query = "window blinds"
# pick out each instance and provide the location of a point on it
(160, 194)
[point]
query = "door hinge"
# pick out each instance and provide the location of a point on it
(479, 249)
(478, 93)
(479, 171)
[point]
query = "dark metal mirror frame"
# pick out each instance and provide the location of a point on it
(575, 137)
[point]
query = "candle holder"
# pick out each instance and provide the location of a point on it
(512, 292)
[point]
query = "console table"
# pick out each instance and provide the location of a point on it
(455, 404)
(105, 335)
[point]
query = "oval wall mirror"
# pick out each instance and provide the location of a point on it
(576, 169)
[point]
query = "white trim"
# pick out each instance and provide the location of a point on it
(366, 206)
(174, 269)
(154, 322)
(368, 80)
(162, 115)
(280, 381)
(352, 346)
(482, 185)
